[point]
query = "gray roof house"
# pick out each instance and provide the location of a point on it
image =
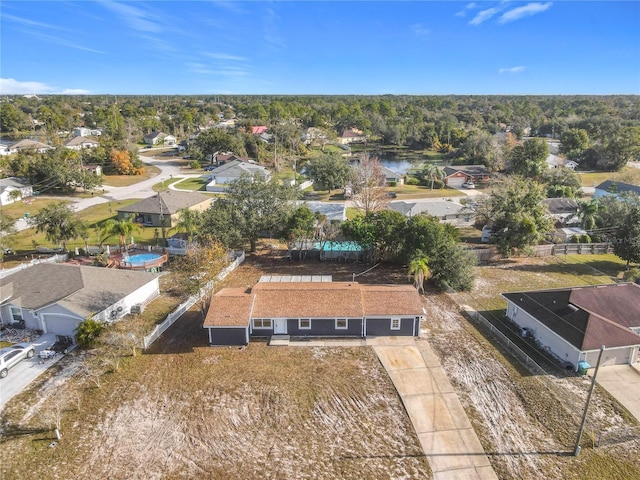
(14, 184)
(609, 187)
(163, 208)
(306, 308)
(232, 171)
(55, 298)
(159, 138)
(78, 143)
(572, 323)
(27, 144)
(564, 211)
(392, 177)
(447, 212)
(456, 175)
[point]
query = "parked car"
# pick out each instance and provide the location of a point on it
(468, 185)
(11, 356)
(392, 195)
(209, 168)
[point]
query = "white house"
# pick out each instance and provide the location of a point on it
(55, 298)
(554, 161)
(159, 138)
(27, 144)
(14, 184)
(81, 132)
(78, 143)
(572, 323)
(223, 175)
(447, 212)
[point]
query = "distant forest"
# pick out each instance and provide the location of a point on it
(463, 127)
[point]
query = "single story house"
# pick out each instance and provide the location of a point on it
(447, 212)
(27, 144)
(55, 298)
(392, 177)
(164, 208)
(565, 234)
(554, 161)
(159, 138)
(14, 184)
(572, 323)
(563, 211)
(352, 136)
(284, 306)
(609, 187)
(222, 158)
(95, 169)
(456, 175)
(231, 171)
(333, 212)
(78, 143)
(81, 132)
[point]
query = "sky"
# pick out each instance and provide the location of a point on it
(319, 47)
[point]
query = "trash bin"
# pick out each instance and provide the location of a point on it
(583, 367)
(27, 215)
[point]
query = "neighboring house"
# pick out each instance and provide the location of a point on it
(27, 144)
(14, 184)
(222, 158)
(447, 212)
(564, 235)
(563, 211)
(455, 176)
(392, 177)
(572, 323)
(333, 212)
(163, 209)
(232, 171)
(259, 130)
(352, 136)
(55, 298)
(159, 138)
(290, 306)
(313, 133)
(95, 169)
(81, 132)
(78, 143)
(554, 161)
(609, 187)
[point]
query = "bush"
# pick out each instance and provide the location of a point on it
(195, 165)
(412, 181)
(437, 183)
(631, 275)
(393, 184)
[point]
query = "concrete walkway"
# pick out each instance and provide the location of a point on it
(623, 382)
(445, 433)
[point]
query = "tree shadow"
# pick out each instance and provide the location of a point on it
(10, 432)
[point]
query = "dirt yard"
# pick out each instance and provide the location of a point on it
(186, 410)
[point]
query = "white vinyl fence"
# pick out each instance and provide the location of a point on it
(191, 301)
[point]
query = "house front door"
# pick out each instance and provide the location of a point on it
(279, 326)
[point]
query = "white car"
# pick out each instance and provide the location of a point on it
(10, 356)
(468, 185)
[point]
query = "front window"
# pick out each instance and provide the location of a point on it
(342, 324)
(261, 323)
(304, 324)
(395, 324)
(16, 313)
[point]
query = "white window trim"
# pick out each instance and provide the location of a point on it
(262, 321)
(16, 314)
(300, 327)
(396, 319)
(346, 324)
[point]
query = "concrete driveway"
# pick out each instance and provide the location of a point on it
(445, 433)
(26, 371)
(623, 382)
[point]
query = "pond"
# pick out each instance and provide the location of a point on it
(402, 161)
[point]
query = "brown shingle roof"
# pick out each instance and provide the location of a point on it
(235, 307)
(171, 200)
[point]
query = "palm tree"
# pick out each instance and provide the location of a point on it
(589, 214)
(419, 270)
(433, 173)
(123, 228)
(188, 222)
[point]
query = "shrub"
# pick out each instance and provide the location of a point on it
(631, 275)
(195, 164)
(412, 181)
(393, 184)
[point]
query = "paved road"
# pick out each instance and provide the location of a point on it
(168, 172)
(445, 433)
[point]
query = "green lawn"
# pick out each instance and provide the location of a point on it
(127, 180)
(628, 175)
(194, 184)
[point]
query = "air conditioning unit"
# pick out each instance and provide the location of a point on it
(137, 309)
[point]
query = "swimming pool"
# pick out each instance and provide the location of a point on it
(338, 247)
(141, 259)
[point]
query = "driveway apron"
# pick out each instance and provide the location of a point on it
(445, 433)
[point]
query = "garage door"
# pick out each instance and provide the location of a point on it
(455, 181)
(60, 325)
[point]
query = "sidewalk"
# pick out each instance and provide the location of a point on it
(445, 433)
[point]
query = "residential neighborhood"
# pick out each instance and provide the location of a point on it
(473, 295)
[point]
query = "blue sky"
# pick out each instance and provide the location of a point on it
(325, 47)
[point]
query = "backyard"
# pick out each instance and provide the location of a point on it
(184, 409)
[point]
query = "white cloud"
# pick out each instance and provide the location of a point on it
(511, 70)
(483, 16)
(138, 19)
(225, 56)
(29, 23)
(11, 86)
(524, 11)
(271, 31)
(463, 13)
(420, 29)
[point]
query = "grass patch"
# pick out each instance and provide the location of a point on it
(150, 171)
(628, 175)
(193, 184)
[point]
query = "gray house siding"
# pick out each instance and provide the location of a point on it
(382, 327)
(325, 327)
(228, 336)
